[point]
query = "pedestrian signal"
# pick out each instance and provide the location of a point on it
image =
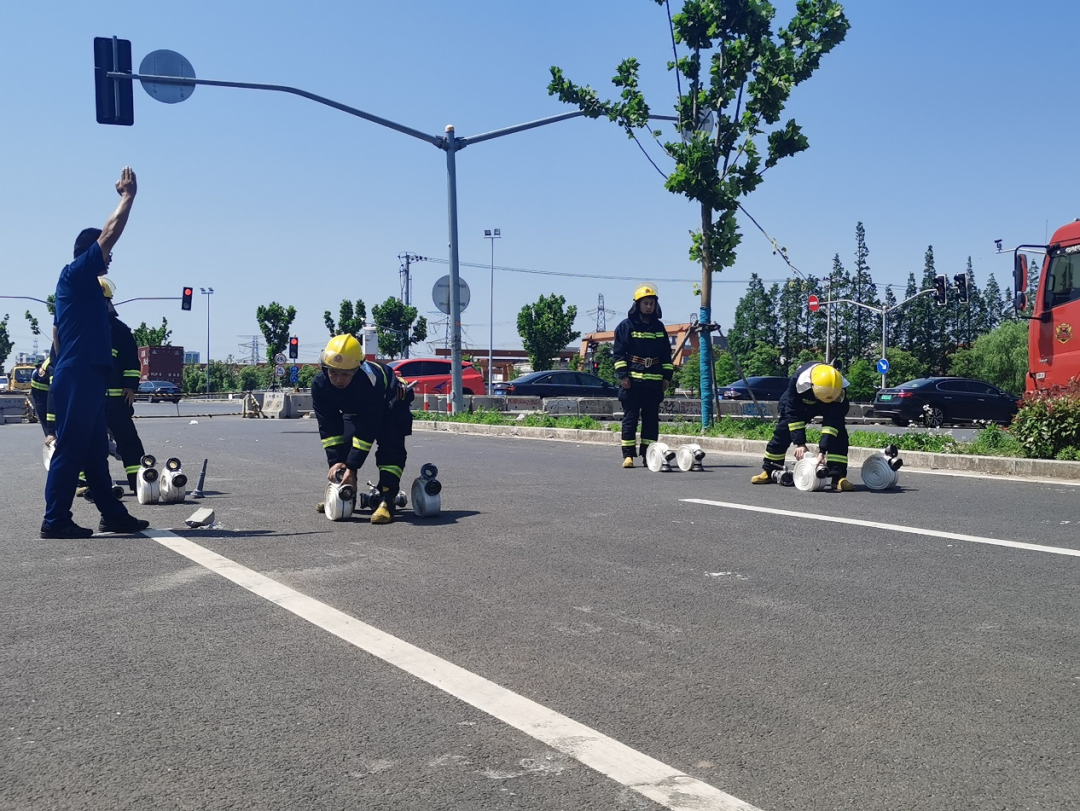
(961, 280)
(941, 290)
(294, 347)
(185, 300)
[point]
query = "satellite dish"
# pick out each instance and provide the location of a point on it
(167, 63)
(440, 294)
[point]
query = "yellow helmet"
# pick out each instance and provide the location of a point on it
(343, 352)
(107, 286)
(828, 383)
(643, 291)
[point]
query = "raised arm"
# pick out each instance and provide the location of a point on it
(126, 187)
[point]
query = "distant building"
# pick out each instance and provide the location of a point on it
(191, 357)
(29, 357)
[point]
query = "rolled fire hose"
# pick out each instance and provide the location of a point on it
(658, 457)
(689, 457)
(809, 475)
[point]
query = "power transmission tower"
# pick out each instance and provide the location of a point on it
(601, 314)
(253, 346)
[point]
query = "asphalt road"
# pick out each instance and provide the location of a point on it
(560, 612)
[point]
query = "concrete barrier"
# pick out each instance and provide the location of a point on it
(12, 408)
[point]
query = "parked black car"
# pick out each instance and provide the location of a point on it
(557, 384)
(764, 388)
(156, 390)
(937, 401)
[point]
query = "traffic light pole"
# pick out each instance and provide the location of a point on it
(448, 142)
(883, 312)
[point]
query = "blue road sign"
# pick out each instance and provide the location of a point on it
(883, 366)
(294, 374)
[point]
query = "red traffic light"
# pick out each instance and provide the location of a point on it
(185, 300)
(294, 347)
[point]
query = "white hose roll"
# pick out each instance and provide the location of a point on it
(336, 507)
(657, 455)
(877, 474)
(806, 477)
(687, 455)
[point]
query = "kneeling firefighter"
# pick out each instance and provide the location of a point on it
(359, 403)
(816, 390)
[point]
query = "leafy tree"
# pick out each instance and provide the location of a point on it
(394, 321)
(1002, 356)
(755, 319)
(6, 344)
(545, 328)
(865, 325)
(351, 320)
(736, 68)
(604, 357)
(50, 303)
(251, 378)
(903, 366)
(149, 336)
(863, 380)
(194, 378)
(763, 359)
(839, 287)
(307, 374)
(992, 307)
(35, 327)
(275, 322)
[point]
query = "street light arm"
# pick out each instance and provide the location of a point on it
(148, 298)
(280, 88)
(28, 298)
(528, 125)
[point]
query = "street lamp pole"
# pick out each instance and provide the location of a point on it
(492, 236)
(207, 291)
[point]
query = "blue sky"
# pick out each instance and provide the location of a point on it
(930, 124)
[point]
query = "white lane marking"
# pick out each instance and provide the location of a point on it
(645, 775)
(953, 536)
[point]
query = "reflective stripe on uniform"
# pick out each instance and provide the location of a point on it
(620, 364)
(775, 457)
(331, 441)
(360, 445)
(836, 457)
(796, 426)
(829, 431)
(646, 442)
(391, 469)
(132, 469)
(629, 443)
(645, 376)
(648, 335)
(114, 392)
(39, 386)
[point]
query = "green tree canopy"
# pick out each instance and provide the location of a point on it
(35, 327)
(736, 68)
(6, 344)
(275, 322)
(351, 319)
(545, 328)
(151, 336)
(399, 326)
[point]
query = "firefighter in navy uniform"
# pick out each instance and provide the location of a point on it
(120, 394)
(359, 403)
(40, 382)
(816, 390)
(642, 355)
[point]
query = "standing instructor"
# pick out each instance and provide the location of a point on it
(83, 359)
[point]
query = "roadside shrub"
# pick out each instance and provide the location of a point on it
(1048, 422)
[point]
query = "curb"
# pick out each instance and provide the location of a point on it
(988, 465)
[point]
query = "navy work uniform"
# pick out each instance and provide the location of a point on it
(372, 409)
(642, 353)
(80, 377)
(801, 402)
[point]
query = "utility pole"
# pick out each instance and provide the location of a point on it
(405, 275)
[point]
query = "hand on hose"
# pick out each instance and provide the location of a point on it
(624, 382)
(800, 452)
(821, 458)
(347, 476)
